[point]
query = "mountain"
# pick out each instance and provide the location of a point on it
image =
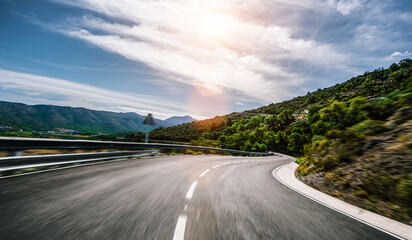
(49, 117)
(177, 120)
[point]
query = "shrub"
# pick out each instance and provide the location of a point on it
(396, 77)
(330, 161)
(247, 146)
(263, 147)
(360, 193)
(405, 100)
(255, 147)
(369, 127)
(404, 189)
(319, 127)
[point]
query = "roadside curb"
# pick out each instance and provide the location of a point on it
(286, 175)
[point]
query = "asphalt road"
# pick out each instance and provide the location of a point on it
(165, 197)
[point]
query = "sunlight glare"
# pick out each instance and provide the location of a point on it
(215, 25)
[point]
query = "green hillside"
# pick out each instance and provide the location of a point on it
(287, 126)
(48, 118)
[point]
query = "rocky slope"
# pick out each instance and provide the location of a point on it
(380, 178)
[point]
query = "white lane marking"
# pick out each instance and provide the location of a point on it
(185, 207)
(226, 163)
(191, 190)
(204, 173)
(180, 228)
(330, 207)
(216, 166)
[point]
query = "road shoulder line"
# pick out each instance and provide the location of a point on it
(286, 175)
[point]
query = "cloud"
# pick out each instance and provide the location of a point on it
(39, 89)
(204, 44)
(347, 6)
(397, 54)
(249, 51)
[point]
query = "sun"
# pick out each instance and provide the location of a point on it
(215, 25)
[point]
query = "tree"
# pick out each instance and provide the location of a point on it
(256, 147)
(281, 141)
(272, 122)
(247, 146)
(285, 118)
(312, 98)
(313, 113)
(340, 115)
(263, 147)
(296, 142)
(394, 67)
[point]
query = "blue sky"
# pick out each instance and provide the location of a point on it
(196, 57)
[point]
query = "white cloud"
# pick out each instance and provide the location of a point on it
(248, 51)
(204, 43)
(348, 6)
(397, 54)
(369, 36)
(345, 7)
(40, 89)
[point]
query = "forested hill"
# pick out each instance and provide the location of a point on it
(49, 118)
(236, 130)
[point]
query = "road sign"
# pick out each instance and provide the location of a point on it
(149, 120)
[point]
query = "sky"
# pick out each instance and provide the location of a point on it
(192, 57)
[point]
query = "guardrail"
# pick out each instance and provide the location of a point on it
(24, 162)
(19, 144)
(127, 149)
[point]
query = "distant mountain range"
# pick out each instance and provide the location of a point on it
(49, 117)
(174, 121)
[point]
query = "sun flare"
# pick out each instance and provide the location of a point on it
(216, 25)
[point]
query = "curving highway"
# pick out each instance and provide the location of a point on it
(168, 197)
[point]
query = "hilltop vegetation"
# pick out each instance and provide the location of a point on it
(354, 139)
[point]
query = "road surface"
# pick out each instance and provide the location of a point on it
(168, 197)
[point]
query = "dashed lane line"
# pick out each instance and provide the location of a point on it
(179, 233)
(180, 228)
(189, 194)
(204, 173)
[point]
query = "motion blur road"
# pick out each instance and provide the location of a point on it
(238, 198)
